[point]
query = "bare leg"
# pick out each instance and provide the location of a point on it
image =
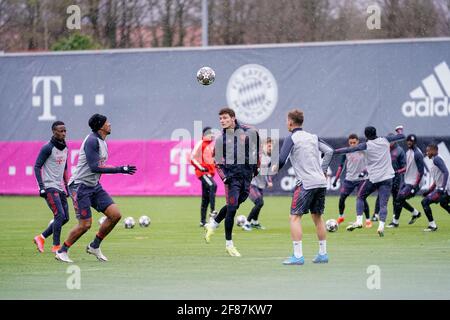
(320, 226)
(76, 233)
(113, 216)
(296, 227)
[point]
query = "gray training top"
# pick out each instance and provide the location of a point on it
(53, 164)
(305, 150)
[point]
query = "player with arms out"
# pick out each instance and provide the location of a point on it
(355, 165)
(50, 170)
(237, 159)
(304, 150)
(86, 190)
(202, 158)
(380, 171)
(437, 192)
(398, 159)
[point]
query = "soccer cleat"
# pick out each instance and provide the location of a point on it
(414, 218)
(246, 227)
(430, 229)
(393, 225)
(375, 217)
(292, 260)
(56, 248)
(380, 232)
(213, 214)
(340, 220)
(96, 252)
(202, 224)
(209, 232)
(39, 242)
(321, 258)
(62, 256)
(232, 251)
(368, 224)
(257, 226)
(354, 226)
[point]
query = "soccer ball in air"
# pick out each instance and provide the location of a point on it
(144, 221)
(206, 76)
(129, 223)
(331, 225)
(101, 220)
(240, 220)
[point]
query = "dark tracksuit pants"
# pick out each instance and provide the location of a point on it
(209, 188)
(57, 202)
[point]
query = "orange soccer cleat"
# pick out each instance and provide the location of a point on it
(39, 242)
(56, 248)
(368, 224)
(340, 220)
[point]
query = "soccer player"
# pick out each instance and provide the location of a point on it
(398, 159)
(380, 171)
(237, 160)
(304, 150)
(262, 181)
(202, 158)
(437, 191)
(355, 165)
(415, 168)
(52, 162)
(86, 190)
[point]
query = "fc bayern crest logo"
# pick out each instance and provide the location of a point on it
(252, 92)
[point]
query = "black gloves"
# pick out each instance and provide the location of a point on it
(128, 169)
(43, 193)
(335, 182)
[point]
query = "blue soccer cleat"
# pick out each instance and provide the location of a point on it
(294, 261)
(321, 258)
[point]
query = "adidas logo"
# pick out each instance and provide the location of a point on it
(434, 100)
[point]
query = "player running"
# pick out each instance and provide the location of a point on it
(355, 166)
(262, 181)
(52, 163)
(304, 150)
(202, 158)
(437, 192)
(236, 156)
(86, 190)
(398, 159)
(379, 168)
(415, 168)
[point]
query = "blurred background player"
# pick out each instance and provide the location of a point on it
(304, 150)
(437, 192)
(237, 160)
(380, 171)
(415, 168)
(86, 190)
(262, 181)
(398, 159)
(50, 170)
(202, 158)
(355, 166)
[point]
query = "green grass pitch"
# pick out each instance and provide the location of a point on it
(170, 260)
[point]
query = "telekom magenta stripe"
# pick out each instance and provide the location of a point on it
(163, 168)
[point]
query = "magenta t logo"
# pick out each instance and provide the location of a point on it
(47, 99)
